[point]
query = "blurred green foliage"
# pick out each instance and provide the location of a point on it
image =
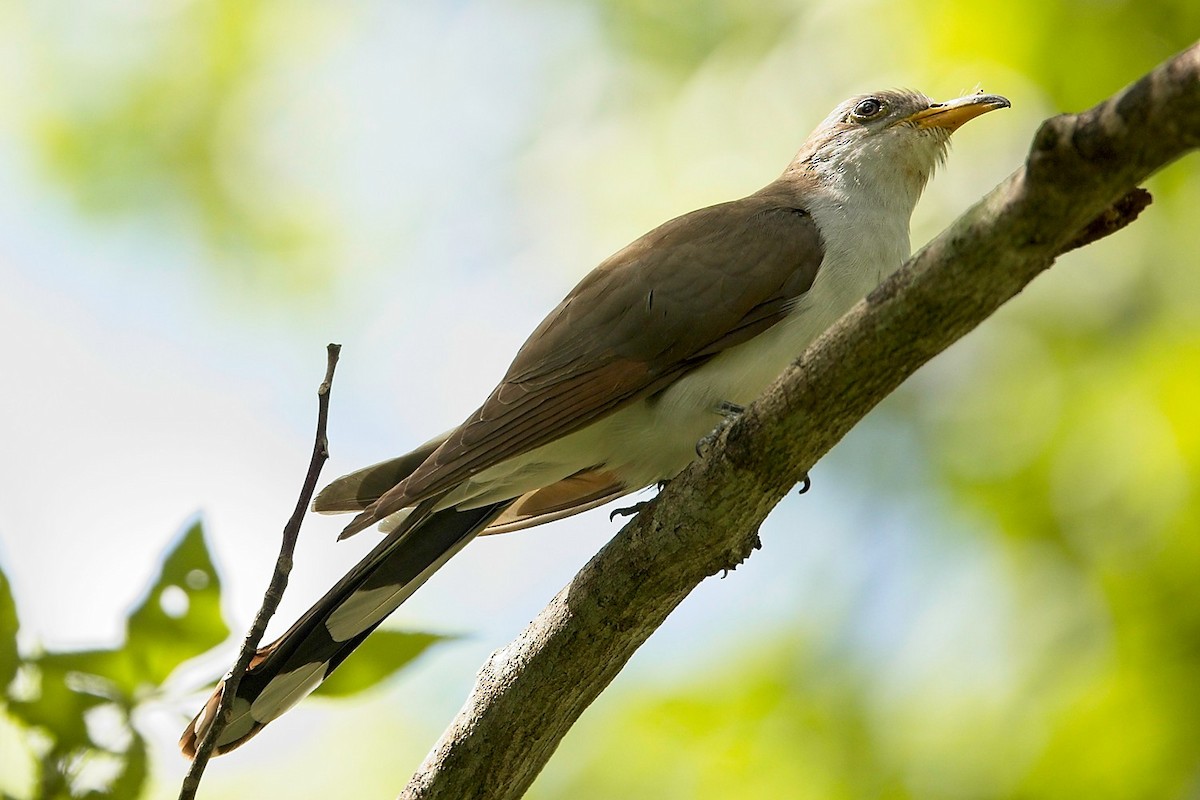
(779, 724)
(1110, 492)
(1071, 48)
(78, 706)
(1067, 430)
(171, 132)
(677, 38)
(76, 709)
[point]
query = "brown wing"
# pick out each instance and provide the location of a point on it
(665, 304)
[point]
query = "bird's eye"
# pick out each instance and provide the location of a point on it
(867, 109)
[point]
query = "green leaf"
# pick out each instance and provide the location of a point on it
(179, 617)
(9, 658)
(382, 655)
(57, 708)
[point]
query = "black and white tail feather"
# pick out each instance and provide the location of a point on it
(418, 541)
(285, 671)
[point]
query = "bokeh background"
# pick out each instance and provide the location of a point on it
(992, 589)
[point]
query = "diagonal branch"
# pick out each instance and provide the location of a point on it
(1078, 184)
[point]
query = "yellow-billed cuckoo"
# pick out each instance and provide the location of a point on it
(613, 390)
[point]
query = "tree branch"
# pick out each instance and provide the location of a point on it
(276, 587)
(1079, 183)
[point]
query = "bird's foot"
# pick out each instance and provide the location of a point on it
(805, 484)
(729, 412)
(628, 511)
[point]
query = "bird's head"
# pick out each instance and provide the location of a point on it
(892, 140)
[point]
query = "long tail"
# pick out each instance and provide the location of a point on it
(286, 670)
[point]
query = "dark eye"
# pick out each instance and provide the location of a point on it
(867, 109)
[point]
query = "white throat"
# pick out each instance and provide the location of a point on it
(881, 173)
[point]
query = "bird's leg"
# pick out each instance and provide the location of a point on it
(729, 412)
(805, 484)
(629, 511)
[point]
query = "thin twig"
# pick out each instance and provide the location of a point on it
(274, 593)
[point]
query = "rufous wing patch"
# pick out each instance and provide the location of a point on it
(576, 493)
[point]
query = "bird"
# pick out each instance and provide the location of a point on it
(612, 392)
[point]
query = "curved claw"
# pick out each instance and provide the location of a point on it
(628, 511)
(805, 484)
